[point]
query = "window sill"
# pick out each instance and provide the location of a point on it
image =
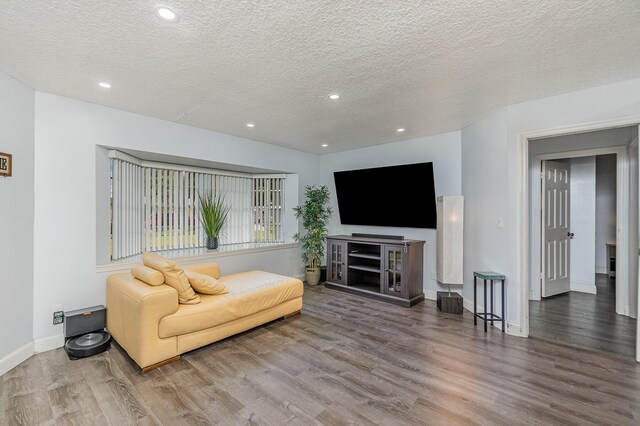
(197, 254)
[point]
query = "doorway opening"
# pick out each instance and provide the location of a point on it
(583, 218)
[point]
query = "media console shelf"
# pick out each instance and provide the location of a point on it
(380, 268)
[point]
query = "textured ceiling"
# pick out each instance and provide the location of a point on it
(427, 66)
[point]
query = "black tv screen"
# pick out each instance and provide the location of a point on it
(401, 196)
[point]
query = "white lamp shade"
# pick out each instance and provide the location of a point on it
(449, 244)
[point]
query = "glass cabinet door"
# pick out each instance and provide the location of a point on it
(336, 262)
(393, 271)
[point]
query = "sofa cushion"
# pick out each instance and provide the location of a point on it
(207, 268)
(173, 275)
(249, 292)
(204, 284)
(148, 275)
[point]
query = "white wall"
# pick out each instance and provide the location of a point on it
(605, 208)
(609, 102)
(16, 223)
(582, 222)
(443, 150)
(485, 196)
(66, 134)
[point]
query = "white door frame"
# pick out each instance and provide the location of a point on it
(622, 218)
(522, 169)
(638, 254)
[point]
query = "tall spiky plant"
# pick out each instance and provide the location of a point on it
(213, 213)
(315, 214)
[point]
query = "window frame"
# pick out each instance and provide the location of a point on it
(137, 208)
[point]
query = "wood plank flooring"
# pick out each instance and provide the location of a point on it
(344, 360)
(585, 320)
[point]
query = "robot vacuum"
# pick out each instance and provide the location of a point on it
(84, 332)
(88, 344)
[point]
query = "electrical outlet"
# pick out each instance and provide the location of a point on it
(58, 314)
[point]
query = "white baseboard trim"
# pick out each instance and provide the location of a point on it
(431, 294)
(24, 352)
(468, 304)
(601, 269)
(48, 343)
(513, 329)
(16, 357)
(534, 295)
(582, 287)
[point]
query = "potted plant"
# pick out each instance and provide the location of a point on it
(213, 214)
(315, 213)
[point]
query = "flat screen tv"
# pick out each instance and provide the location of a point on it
(399, 196)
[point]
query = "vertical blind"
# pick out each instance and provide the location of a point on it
(157, 208)
(268, 199)
(127, 234)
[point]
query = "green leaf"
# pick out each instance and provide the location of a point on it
(315, 214)
(213, 213)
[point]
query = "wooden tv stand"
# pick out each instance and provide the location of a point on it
(384, 269)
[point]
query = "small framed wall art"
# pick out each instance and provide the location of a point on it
(5, 164)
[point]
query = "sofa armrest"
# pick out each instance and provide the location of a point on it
(211, 269)
(134, 311)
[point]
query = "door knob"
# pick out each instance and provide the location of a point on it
(570, 234)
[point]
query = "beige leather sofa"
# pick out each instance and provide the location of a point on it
(154, 329)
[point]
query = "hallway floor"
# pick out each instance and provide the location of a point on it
(585, 320)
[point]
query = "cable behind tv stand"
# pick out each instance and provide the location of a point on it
(378, 267)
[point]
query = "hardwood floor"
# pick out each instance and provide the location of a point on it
(585, 320)
(344, 360)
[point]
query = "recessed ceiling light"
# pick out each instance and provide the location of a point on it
(251, 125)
(166, 13)
(324, 145)
(104, 85)
(400, 130)
(334, 96)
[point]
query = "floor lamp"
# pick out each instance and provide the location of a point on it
(449, 247)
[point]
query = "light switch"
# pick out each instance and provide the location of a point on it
(500, 223)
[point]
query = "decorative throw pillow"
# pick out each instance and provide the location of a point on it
(205, 284)
(174, 276)
(147, 275)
